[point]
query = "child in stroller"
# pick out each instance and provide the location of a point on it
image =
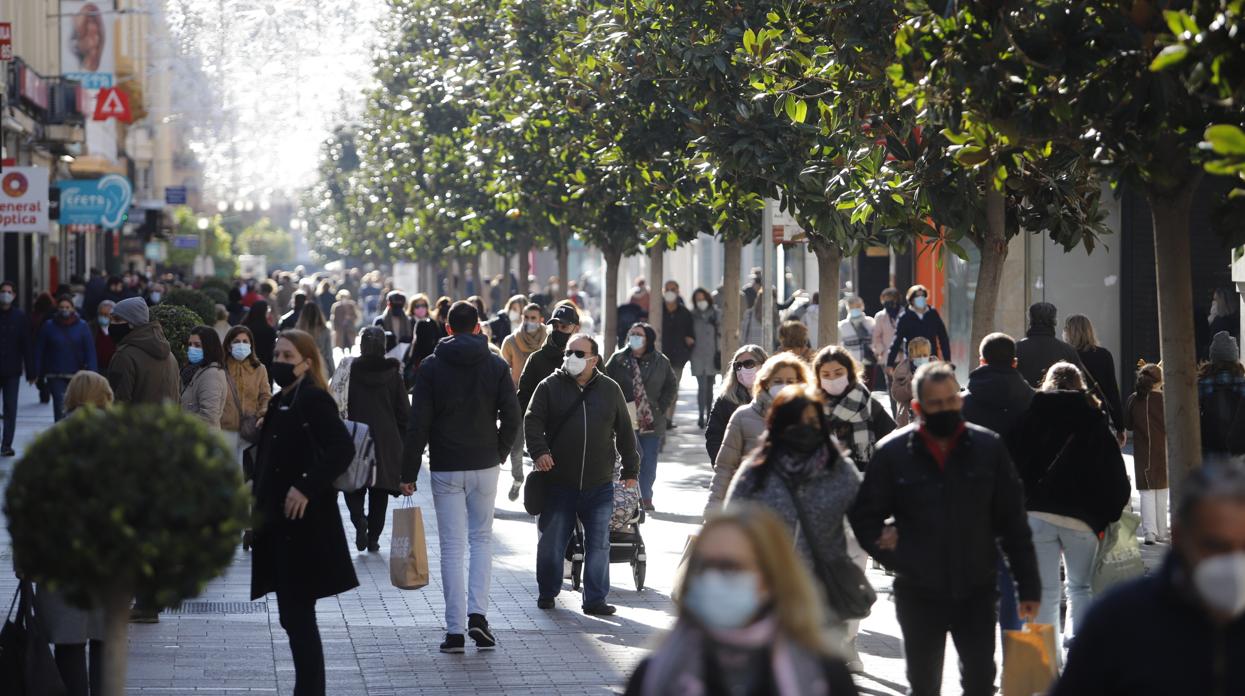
(626, 544)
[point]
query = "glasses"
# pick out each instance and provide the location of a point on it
(745, 364)
(578, 353)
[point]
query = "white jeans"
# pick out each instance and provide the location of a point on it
(464, 502)
(1078, 549)
(1154, 512)
(861, 559)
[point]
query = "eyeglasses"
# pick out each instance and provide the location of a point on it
(745, 364)
(578, 353)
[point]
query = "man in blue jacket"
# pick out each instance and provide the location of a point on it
(64, 346)
(16, 356)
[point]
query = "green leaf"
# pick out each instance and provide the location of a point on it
(796, 109)
(971, 155)
(772, 17)
(1174, 23)
(750, 41)
(1226, 139)
(1169, 56)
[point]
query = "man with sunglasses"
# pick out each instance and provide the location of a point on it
(575, 425)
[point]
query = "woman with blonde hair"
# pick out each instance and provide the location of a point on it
(87, 388)
(1099, 368)
(749, 619)
(736, 391)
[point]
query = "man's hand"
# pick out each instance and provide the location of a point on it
(544, 463)
(889, 539)
(295, 504)
(630, 483)
(407, 489)
(1028, 611)
(1122, 438)
(689, 341)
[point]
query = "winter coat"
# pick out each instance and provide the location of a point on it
(743, 432)
(912, 325)
(427, 333)
(254, 392)
(461, 392)
(304, 445)
(676, 327)
(857, 337)
(17, 354)
(401, 326)
(516, 348)
(63, 348)
(325, 300)
(265, 343)
(1101, 381)
(378, 399)
(948, 518)
(884, 332)
(143, 370)
(205, 395)
(901, 390)
(825, 495)
(1038, 350)
(499, 329)
(344, 316)
(661, 386)
(1070, 461)
(1219, 399)
(1143, 414)
(706, 332)
(1162, 612)
(997, 398)
(723, 408)
(590, 437)
(540, 365)
(104, 348)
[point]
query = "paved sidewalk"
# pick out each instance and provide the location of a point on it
(381, 641)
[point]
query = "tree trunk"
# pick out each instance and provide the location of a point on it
(564, 263)
(828, 258)
(525, 265)
(609, 302)
(478, 278)
(731, 301)
(1175, 290)
(656, 286)
(990, 274)
(116, 642)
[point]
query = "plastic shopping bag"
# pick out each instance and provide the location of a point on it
(1029, 666)
(1119, 556)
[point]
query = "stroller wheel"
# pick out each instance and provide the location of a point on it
(577, 574)
(637, 571)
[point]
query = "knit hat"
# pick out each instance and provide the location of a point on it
(132, 311)
(1042, 314)
(1223, 348)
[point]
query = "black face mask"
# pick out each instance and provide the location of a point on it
(892, 308)
(118, 332)
(802, 438)
(943, 423)
(559, 339)
(283, 374)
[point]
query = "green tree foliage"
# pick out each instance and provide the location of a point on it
(265, 239)
(199, 303)
(177, 322)
(217, 239)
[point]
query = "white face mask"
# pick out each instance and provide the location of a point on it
(575, 365)
(702, 305)
(532, 326)
(746, 376)
(723, 600)
(1220, 581)
(669, 297)
(635, 342)
(836, 386)
(515, 317)
(917, 362)
(776, 389)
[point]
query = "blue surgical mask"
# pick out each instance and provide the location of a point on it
(855, 312)
(240, 351)
(104, 321)
(920, 302)
(635, 342)
(194, 354)
(917, 362)
(723, 600)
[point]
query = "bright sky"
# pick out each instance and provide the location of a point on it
(282, 72)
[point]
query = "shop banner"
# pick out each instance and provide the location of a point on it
(24, 200)
(87, 42)
(104, 201)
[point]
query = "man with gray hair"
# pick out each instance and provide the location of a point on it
(143, 370)
(951, 490)
(1186, 621)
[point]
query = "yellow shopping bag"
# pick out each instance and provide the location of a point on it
(1029, 666)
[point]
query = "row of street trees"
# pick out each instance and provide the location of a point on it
(513, 124)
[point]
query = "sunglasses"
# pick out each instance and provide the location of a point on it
(578, 353)
(745, 364)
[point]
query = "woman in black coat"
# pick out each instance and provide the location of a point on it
(922, 320)
(1099, 368)
(265, 336)
(377, 398)
(300, 547)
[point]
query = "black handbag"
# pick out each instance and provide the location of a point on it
(27, 667)
(536, 486)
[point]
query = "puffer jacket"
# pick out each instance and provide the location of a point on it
(254, 392)
(206, 394)
(64, 347)
(594, 433)
(719, 416)
(143, 370)
(743, 432)
(660, 384)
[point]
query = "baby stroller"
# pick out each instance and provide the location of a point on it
(626, 544)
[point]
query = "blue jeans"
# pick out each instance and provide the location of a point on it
(464, 501)
(57, 387)
(563, 505)
(12, 386)
(648, 444)
(1078, 549)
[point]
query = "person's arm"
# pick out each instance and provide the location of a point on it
(944, 341)
(535, 421)
(624, 438)
(715, 429)
(878, 345)
(669, 389)
(727, 462)
(212, 396)
(86, 344)
(121, 378)
(329, 435)
(508, 413)
(1011, 526)
(875, 503)
(418, 427)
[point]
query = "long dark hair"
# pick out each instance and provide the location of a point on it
(256, 317)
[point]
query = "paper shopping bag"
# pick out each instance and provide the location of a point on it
(408, 554)
(1029, 666)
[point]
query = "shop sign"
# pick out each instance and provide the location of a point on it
(24, 200)
(104, 201)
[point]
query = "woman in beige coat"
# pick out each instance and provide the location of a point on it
(743, 432)
(204, 387)
(249, 388)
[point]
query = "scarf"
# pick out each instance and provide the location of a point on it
(529, 343)
(643, 410)
(853, 409)
(797, 467)
(677, 667)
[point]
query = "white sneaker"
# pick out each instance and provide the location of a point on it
(1150, 539)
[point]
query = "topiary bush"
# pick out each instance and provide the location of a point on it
(216, 283)
(156, 509)
(194, 300)
(177, 322)
(217, 296)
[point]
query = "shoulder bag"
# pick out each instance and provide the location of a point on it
(536, 487)
(248, 425)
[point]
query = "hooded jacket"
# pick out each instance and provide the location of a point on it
(143, 370)
(997, 398)
(377, 398)
(588, 437)
(1069, 460)
(461, 392)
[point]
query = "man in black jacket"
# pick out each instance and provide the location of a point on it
(678, 335)
(290, 320)
(1039, 349)
(542, 363)
(575, 425)
(952, 490)
(464, 410)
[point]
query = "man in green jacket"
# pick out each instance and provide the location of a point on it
(576, 424)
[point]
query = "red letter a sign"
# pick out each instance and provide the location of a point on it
(112, 103)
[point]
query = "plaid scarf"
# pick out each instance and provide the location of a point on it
(643, 411)
(853, 408)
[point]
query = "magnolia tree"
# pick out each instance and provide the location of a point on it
(157, 506)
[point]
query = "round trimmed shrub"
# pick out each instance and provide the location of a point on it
(217, 284)
(195, 301)
(177, 322)
(217, 296)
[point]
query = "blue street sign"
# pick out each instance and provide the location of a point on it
(175, 195)
(103, 201)
(185, 242)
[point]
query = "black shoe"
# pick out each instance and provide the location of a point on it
(515, 487)
(543, 603)
(8, 452)
(671, 425)
(373, 546)
(248, 538)
(601, 609)
(477, 628)
(360, 535)
(454, 643)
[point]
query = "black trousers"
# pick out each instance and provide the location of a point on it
(298, 618)
(71, 662)
(925, 621)
(377, 507)
(704, 394)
